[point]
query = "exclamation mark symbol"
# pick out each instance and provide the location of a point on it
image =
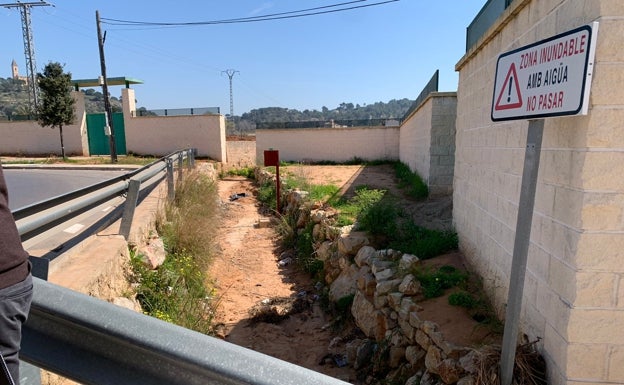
(509, 92)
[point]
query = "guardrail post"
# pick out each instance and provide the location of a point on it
(131, 201)
(180, 163)
(170, 185)
(191, 158)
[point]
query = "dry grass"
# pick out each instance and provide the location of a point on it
(188, 223)
(529, 366)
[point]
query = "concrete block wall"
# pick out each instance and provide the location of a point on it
(162, 135)
(574, 287)
(29, 138)
(427, 141)
(332, 144)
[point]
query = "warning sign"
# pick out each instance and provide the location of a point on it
(509, 96)
(547, 78)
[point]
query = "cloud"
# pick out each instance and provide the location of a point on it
(261, 8)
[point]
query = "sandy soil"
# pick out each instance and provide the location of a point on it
(246, 272)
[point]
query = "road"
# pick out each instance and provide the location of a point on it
(28, 186)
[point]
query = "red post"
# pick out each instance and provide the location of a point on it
(271, 158)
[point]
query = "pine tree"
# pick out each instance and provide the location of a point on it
(56, 106)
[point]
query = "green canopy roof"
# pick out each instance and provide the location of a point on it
(122, 81)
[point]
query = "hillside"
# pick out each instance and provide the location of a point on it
(14, 99)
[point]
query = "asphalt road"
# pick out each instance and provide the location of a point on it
(30, 186)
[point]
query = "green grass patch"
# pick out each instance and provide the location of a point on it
(410, 181)
(435, 282)
(246, 172)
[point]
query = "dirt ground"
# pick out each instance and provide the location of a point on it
(246, 272)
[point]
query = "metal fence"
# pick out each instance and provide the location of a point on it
(486, 17)
(94, 342)
(180, 111)
(431, 86)
(337, 123)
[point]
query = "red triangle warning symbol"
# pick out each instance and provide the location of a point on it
(507, 99)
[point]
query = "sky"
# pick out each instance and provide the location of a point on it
(380, 51)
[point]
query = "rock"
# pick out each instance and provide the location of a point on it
(352, 347)
(364, 354)
(428, 379)
(414, 320)
(385, 287)
(351, 243)
(389, 255)
(394, 300)
(433, 359)
(127, 303)
(410, 285)
(468, 380)
(449, 371)
(396, 356)
(364, 255)
(324, 251)
(414, 380)
(422, 339)
(153, 254)
(366, 316)
(408, 331)
(384, 274)
(378, 265)
(380, 301)
(345, 285)
(408, 305)
(317, 216)
(469, 362)
(408, 262)
(318, 233)
(366, 282)
(413, 354)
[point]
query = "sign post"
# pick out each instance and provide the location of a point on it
(549, 78)
(271, 158)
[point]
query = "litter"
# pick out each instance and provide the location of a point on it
(234, 197)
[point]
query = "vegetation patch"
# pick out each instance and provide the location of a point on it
(178, 291)
(410, 181)
(435, 282)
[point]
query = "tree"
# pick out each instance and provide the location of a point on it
(56, 105)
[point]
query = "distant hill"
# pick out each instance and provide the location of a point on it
(380, 110)
(14, 99)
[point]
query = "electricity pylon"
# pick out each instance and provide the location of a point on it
(29, 49)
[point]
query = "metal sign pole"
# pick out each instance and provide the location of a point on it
(521, 248)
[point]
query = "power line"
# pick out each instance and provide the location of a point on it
(276, 16)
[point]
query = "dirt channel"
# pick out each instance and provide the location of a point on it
(247, 272)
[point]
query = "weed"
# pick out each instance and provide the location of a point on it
(434, 283)
(177, 291)
(247, 172)
(411, 181)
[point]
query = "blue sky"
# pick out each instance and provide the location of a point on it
(361, 56)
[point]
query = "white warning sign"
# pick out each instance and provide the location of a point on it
(549, 78)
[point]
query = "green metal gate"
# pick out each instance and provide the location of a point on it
(98, 141)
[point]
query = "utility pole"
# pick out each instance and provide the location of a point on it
(29, 49)
(230, 73)
(107, 105)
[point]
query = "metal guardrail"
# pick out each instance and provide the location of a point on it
(94, 342)
(486, 17)
(38, 217)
